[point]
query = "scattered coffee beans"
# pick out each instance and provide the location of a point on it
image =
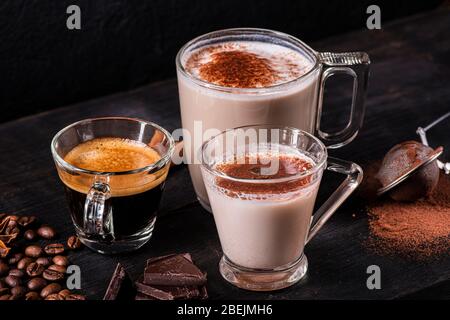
(18, 291)
(32, 271)
(58, 268)
(13, 281)
(54, 296)
(60, 260)
(54, 248)
(51, 288)
(52, 275)
(35, 269)
(24, 262)
(36, 284)
(46, 232)
(33, 251)
(45, 261)
(64, 293)
(30, 235)
(16, 272)
(32, 296)
(75, 297)
(15, 258)
(74, 243)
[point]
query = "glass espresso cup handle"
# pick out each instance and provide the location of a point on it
(354, 175)
(355, 64)
(98, 211)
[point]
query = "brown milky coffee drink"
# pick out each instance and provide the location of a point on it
(135, 198)
(113, 170)
(263, 225)
(262, 189)
(239, 77)
(245, 65)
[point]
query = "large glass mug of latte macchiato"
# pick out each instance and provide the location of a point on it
(262, 183)
(113, 170)
(239, 77)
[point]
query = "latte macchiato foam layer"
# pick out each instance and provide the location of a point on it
(246, 64)
(114, 155)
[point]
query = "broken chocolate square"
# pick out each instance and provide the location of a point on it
(173, 270)
(120, 287)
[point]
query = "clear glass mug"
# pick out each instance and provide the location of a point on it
(113, 212)
(265, 221)
(207, 109)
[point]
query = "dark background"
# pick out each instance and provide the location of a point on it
(123, 44)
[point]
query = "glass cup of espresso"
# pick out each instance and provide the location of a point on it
(247, 76)
(113, 170)
(262, 183)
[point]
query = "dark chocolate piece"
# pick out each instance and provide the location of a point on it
(141, 296)
(184, 292)
(153, 292)
(173, 270)
(203, 293)
(120, 287)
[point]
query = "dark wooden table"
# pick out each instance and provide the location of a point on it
(409, 86)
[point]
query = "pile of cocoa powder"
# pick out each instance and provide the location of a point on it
(418, 230)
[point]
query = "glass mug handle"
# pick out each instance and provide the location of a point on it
(355, 64)
(354, 175)
(98, 210)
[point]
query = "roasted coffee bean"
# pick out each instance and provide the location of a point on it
(46, 232)
(64, 293)
(24, 262)
(54, 296)
(56, 267)
(33, 251)
(36, 284)
(75, 297)
(32, 295)
(35, 269)
(26, 220)
(4, 291)
(5, 297)
(18, 291)
(51, 288)
(45, 261)
(4, 268)
(52, 275)
(54, 248)
(15, 258)
(16, 272)
(13, 281)
(74, 243)
(29, 235)
(60, 260)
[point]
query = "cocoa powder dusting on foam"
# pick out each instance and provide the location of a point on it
(418, 230)
(238, 69)
(250, 168)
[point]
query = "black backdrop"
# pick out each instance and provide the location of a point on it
(126, 43)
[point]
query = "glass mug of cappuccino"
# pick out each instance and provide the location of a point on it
(113, 170)
(237, 77)
(262, 183)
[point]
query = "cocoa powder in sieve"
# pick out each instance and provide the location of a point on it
(419, 229)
